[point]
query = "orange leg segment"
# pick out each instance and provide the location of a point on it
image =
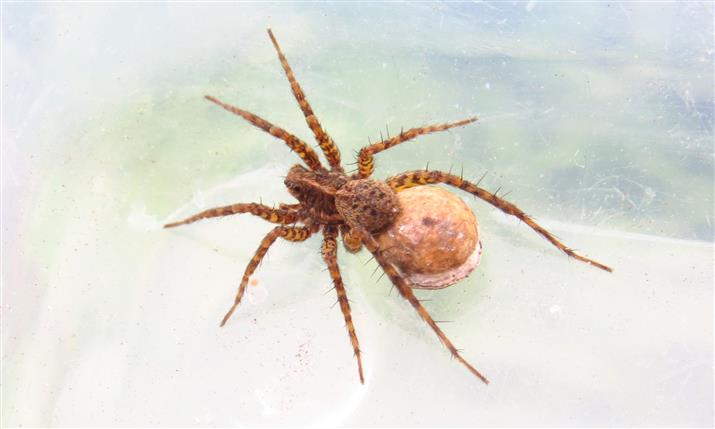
(305, 152)
(280, 216)
(351, 239)
(424, 177)
(365, 162)
(287, 233)
(330, 255)
(403, 286)
(326, 143)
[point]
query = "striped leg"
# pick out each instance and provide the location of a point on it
(330, 255)
(351, 239)
(281, 216)
(288, 233)
(365, 160)
(403, 286)
(305, 152)
(330, 149)
(423, 177)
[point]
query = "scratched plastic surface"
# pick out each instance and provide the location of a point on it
(597, 117)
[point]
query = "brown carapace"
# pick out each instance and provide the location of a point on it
(350, 206)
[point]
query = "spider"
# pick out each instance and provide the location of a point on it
(352, 207)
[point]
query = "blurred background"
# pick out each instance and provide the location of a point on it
(597, 118)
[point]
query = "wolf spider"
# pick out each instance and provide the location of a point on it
(353, 207)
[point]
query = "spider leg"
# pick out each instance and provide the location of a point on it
(351, 239)
(404, 287)
(326, 143)
(365, 160)
(330, 255)
(305, 152)
(281, 216)
(285, 206)
(422, 177)
(287, 233)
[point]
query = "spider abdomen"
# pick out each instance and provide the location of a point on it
(368, 203)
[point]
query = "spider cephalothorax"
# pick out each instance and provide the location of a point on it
(315, 191)
(354, 207)
(331, 197)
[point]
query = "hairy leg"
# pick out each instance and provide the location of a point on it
(365, 161)
(330, 255)
(294, 206)
(351, 239)
(424, 177)
(330, 149)
(305, 152)
(403, 286)
(287, 233)
(281, 216)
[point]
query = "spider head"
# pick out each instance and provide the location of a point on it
(368, 203)
(314, 187)
(296, 180)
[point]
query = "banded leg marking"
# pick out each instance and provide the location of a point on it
(365, 161)
(326, 143)
(330, 255)
(351, 238)
(280, 216)
(403, 286)
(422, 177)
(288, 233)
(305, 152)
